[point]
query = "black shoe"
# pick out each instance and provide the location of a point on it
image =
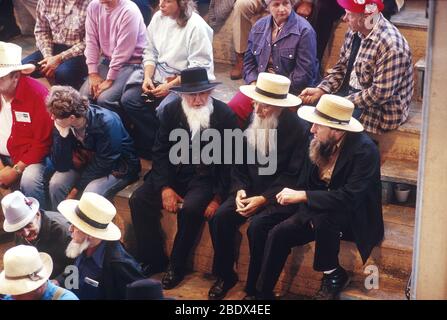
(171, 279)
(220, 288)
(249, 298)
(332, 284)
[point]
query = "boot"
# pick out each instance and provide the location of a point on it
(332, 284)
(236, 72)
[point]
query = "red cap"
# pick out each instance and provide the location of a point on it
(358, 6)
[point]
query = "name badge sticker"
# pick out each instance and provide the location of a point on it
(91, 282)
(22, 116)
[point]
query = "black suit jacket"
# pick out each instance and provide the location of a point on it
(292, 142)
(354, 191)
(164, 173)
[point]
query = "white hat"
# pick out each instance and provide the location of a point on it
(18, 210)
(10, 60)
(25, 270)
(92, 215)
(271, 89)
(332, 111)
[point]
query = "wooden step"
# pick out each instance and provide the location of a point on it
(399, 171)
(393, 257)
(404, 142)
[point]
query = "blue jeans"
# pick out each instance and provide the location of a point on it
(69, 73)
(110, 99)
(61, 184)
(32, 182)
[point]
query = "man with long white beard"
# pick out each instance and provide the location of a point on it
(191, 188)
(104, 267)
(251, 191)
(337, 196)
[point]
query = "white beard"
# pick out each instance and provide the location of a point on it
(75, 249)
(258, 132)
(198, 118)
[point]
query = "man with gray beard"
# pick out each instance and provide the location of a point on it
(191, 189)
(274, 129)
(337, 196)
(104, 268)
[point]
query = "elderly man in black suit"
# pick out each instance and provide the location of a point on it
(251, 190)
(338, 195)
(182, 183)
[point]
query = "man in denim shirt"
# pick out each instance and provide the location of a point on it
(110, 163)
(281, 43)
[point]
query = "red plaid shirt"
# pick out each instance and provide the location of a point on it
(385, 72)
(57, 21)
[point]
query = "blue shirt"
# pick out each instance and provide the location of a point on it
(49, 293)
(90, 274)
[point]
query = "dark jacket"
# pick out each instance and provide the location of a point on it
(112, 147)
(164, 173)
(294, 53)
(53, 239)
(292, 140)
(354, 191)
(119, 269)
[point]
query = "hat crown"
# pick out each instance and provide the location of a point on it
(16, 207)
(97, 208)
(335, 107)
(10, 54)
(21, 261)
(194, 76)
(273, 83)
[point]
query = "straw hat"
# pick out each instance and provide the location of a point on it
(92, 215)
(25, 270)
(332, 111)
(271, 89)
(11, 60)
(18, 210)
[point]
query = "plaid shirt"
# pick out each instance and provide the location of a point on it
(385, 72)
(61, 22)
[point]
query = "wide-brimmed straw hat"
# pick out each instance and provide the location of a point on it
(271, 89)
(93, 215)
(25, 270)
(18, 211)
(332, 111)
(360, 6)
(11, 60)
(194, 80)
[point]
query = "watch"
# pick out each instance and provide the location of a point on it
(17, 169)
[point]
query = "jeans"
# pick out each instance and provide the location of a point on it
(25, 13)
(61, 184)
(32, 183)
(110, 99)
(69, 73)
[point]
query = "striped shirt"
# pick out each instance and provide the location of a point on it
(61, 22)
(384, 71)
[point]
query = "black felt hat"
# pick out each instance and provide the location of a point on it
(194, 80)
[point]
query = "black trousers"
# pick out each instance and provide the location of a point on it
(223, 228)
(146, 204)
(279, 238)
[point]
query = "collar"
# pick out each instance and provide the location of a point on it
(373, 35)
(97, 256)
(292, 25)
(21, 92)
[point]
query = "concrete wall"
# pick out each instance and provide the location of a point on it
(430, 255)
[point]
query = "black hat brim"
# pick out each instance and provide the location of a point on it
(195, 89)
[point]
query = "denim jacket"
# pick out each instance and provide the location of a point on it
(294, 52)
(112, 147)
